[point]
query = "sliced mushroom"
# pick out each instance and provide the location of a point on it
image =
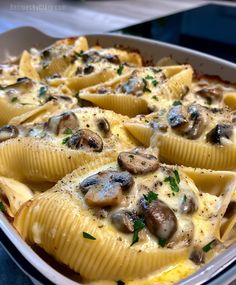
(8, 132)
(21, 85)
(88, 69)
(188, 205)
(58, 124)
(123, 221)
(86, 140)
(210, 94)
(134, 85)
(113, 58)
(160, 219)
(197, 256)
(158, 126)
(218, 132)
(177, 117)
(105, 188)
(198, 119)
(103, 125)
(137, 163)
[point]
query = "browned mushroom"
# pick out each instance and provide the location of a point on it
(198, 121)
(218, 132)
(123, 221)
(137, 163)
(86, 140)
(188, 121)
(21, 85)
(112, 58)
(103, 125)
(159, 218)
(188, 205)
(105, 188)
(177, 117)
(133, 86)
(197, 256)
(58, 124)
(8, 132)
(210, 94)
(88, 69)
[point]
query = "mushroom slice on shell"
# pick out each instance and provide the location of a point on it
(159, 218)
(105, 188)
(86, 140)
(8, 132)
(137, 163)
(58, 124)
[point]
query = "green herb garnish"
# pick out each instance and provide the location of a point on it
(65, 140)
(145, 88)
(176, 103)
(120, 69)
(209, 246)
(2, 207)
(176, 174)
(42, 91)
(162, 242)
(154, 82)
(151, 196)
(68, 131)
(138, 226)
(174, 181)
(149, 77)
(14, 99)
(79, 54)
(88, 236)
(155, 98)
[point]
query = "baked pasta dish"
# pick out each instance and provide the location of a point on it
(123, 172)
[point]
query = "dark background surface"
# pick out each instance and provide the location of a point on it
(210, 29)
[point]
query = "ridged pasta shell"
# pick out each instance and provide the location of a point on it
(181, 151)
(25, 67)
(35, 160)
(229, 99)
(12, 110)
(13, 194)
(131, 105)
(57, 226)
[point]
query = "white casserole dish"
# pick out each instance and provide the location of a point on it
(12, 45)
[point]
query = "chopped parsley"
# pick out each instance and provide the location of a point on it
(68, 131)
(42, 91)
(176, 174)
(2, 207)
(209, 246)
(154, 82)
(155, 98)
(176, 103)
(120, 69)
(162, 242)
(151, 196)
(79, 54)
(138, 226)
(65, 140)
(174, 181)
(145, 88)
(149, 77)
(14, 99)
(88, 236)
(156, 70)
